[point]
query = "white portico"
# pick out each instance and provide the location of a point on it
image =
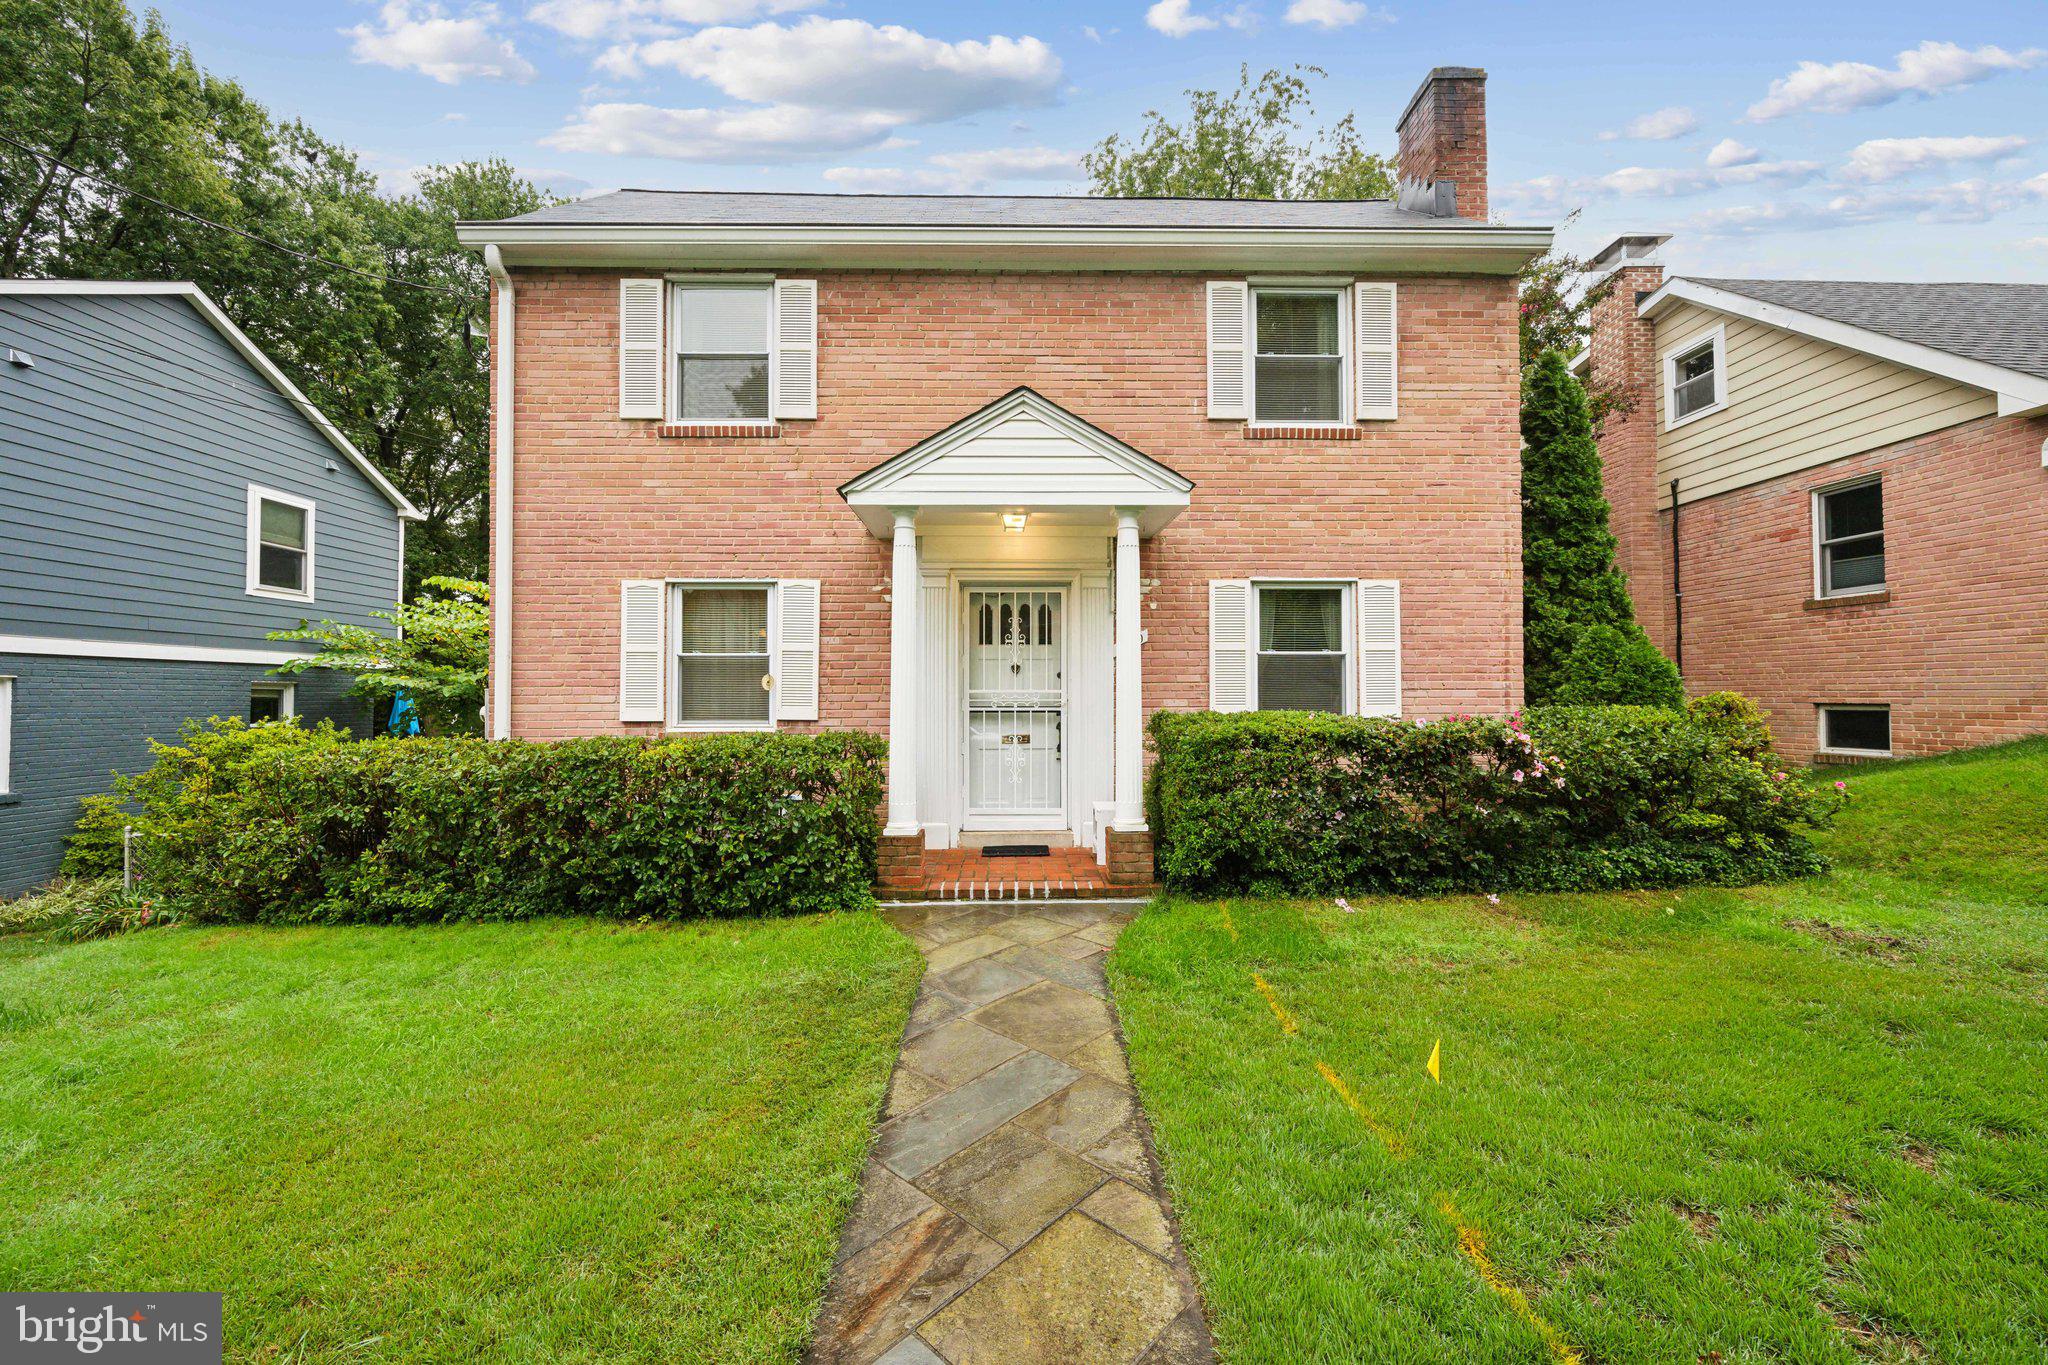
(1015, 622)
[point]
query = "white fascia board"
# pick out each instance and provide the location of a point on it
(249, 351)
(2017, 393)
(1467, 250)
(145, 649)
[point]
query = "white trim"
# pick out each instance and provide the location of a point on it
(1347, 631)
(250, 352)
(2017, 392)
(6, 735)
(1346, 347)
(1816, 503)
(1667, 363)
(255, 587)
(672, 349)
(672, 588)
(53, 647)
(965, 633)
(287, 696)
(1821, 710)
(503, 409)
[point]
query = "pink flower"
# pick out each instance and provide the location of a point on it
(1492, 899)
(1518, 774)
(1345, 906)
(1777, 777)
(1841, 786)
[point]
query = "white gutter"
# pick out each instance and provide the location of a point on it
(501, 503)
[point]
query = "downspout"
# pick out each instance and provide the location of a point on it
(501, 505)
(1677, 592)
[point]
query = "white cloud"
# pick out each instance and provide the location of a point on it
(588, 19)
(850, 64)
(1669, 182)
(1837, 87)
(1178, 18)
(1964, 201)
(1659, 126)
(2034, 243)
(960, 172)
(1888, 158)
(1729, 152)
(1328, 14)
(739, 136)
(428, 41)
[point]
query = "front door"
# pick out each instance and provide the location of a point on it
(1016, 707)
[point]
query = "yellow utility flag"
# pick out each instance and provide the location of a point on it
(1436, 1056)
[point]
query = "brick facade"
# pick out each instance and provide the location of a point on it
(1431, 499)
(1624, 364)
(1957, 646)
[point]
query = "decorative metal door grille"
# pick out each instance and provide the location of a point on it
(1016, 701)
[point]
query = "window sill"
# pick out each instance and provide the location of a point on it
(1847, 758)
(1310, 433)
(1875, 598)
(10, 798)
(1691, 417)
(733, 729)
(722, 431)
(274, 595)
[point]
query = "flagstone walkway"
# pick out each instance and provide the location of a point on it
(1011, 1210)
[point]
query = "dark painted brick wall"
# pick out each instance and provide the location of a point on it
(76, 720)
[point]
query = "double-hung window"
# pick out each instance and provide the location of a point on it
(1695, 378)
(1849, 539)
(1304, 655)
(722, 352)
(280, 545)
(1298, 363)
(723, 677)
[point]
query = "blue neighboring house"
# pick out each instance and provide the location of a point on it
(167, 497)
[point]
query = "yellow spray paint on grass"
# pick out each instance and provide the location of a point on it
(1396, 1145)
(1288, 1024)
(1229, 923)
(1473, 1243)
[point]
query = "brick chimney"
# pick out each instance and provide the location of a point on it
(1622, 359)
(1443, 145)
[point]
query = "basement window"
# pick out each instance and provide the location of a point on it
(1862, 730)
(272, 701)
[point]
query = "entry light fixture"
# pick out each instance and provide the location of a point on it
(1014, 521)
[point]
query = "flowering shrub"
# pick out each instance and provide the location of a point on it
(1565, 798)
(279, 823)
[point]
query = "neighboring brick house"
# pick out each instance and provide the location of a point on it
(1859, 473)
(167, 498)
(1000, 476)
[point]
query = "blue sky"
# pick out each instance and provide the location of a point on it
(1871, 139)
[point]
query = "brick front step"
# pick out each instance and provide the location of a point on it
(1015, 889)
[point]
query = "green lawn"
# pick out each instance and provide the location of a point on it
(549, 1141)
(1802, 1123)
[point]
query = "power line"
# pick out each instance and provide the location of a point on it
(119, 188)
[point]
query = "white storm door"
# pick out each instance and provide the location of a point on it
(1016, 703)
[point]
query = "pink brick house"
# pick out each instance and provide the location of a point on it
(1829, 495)
(1001, 476)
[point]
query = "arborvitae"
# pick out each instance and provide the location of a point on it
(1569, 581)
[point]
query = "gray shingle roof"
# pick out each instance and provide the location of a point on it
(720, 208)
(1999, 324)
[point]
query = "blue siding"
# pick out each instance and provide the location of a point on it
(126, 454)
(78, 720)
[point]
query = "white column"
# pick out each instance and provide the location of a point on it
(1130, 710)
(903, 669)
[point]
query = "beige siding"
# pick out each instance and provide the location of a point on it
(1793, 403)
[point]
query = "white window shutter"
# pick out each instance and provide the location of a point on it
(640, 357)
(1230, 644)
(1230, 348)
(796, 649)
(1375, 318)
(1379, 647)
(642, 643)
(796, 348)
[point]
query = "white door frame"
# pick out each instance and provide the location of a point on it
(1006, 580)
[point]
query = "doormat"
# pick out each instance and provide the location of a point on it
(1017, 851)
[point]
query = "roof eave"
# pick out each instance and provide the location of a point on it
(2018, 393)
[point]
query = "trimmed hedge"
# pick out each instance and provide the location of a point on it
(283, 824)
(1572, 798)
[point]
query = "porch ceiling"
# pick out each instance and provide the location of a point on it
(1021, 453)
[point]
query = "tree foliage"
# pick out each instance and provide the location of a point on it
(116, 101)
(437, 659)
(1569, 580)
(1248, 144)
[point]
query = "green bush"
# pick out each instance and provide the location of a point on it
(1616, 666)
(278, 823)
(76, 909)
(1736, 719)
(1575, 798)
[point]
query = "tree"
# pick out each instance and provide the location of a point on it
(1570, 584)
(1242, 146)
(364, 306)
(436, 660)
